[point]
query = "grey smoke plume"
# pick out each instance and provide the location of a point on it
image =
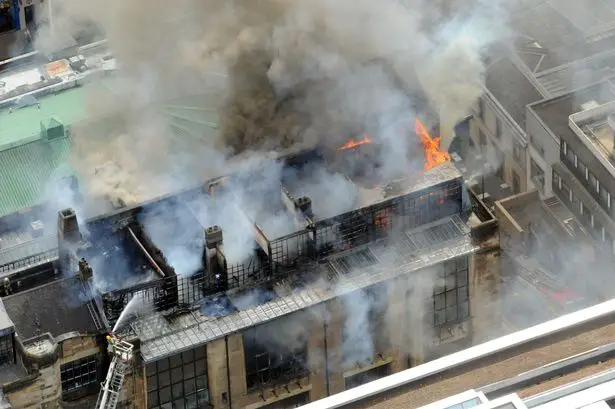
(287, 74)
(299, 74)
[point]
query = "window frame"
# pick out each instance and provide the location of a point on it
(180, 380)
(449, 295)
(73, 371)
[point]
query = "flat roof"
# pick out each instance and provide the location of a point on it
(554, 112)
(25, 124)
(557, 35)
(511, 88)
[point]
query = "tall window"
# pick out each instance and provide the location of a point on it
(593, 182)
(271, 359)
(179, 381)
(79, 374)
(517, 150)
(451, 295)
(498, 128)
(6, 349)
(364, 333)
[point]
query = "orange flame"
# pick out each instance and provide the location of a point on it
(434, 156)
(354, 143)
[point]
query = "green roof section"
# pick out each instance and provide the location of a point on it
(26, 169)
(34, 146)
(24, 125)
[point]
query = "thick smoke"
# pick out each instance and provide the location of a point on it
(299, 74)
(283, 74)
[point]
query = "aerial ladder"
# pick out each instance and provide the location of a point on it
(121, 352)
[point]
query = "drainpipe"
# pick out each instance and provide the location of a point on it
(228, 373)
(327, 360)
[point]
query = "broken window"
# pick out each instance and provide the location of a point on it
(179, 381)
(275, 353)
(451, 295)
(79, 374)
(367, 376)
(365, 332)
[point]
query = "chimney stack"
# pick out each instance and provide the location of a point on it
(214, 259)
(68, 236)
(304, 204)
(85, 270)
(68, 226)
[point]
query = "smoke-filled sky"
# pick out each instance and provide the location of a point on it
(299, 73)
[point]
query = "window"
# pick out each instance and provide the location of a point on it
(516, 182)
(367, 376)
(564, 148)
(605, 198)
(359, 347)
(482, 139)
(6, 350)
(498, 128)
(450, 297)
(570, 155)
(583, 170)
(592, 182)
(598, 228)
(179, 381)
(79, 374)
(566, 192)
(273, 362)
(517, 150)
(557, 180)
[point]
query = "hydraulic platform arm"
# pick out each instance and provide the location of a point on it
(111, 388)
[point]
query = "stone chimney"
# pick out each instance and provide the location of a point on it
(213, 257)
(85, 270)
(304, 204)
(68, 226)
(68, 236)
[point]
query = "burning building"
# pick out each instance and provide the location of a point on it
(232, 300)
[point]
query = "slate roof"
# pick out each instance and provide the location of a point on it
(58, 308)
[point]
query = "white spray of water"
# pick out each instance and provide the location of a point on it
(134, 307)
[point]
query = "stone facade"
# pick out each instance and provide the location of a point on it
(42, 359)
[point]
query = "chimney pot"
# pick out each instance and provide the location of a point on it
(304, 204)
(213, 236)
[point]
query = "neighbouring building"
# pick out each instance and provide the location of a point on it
(554, 53)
